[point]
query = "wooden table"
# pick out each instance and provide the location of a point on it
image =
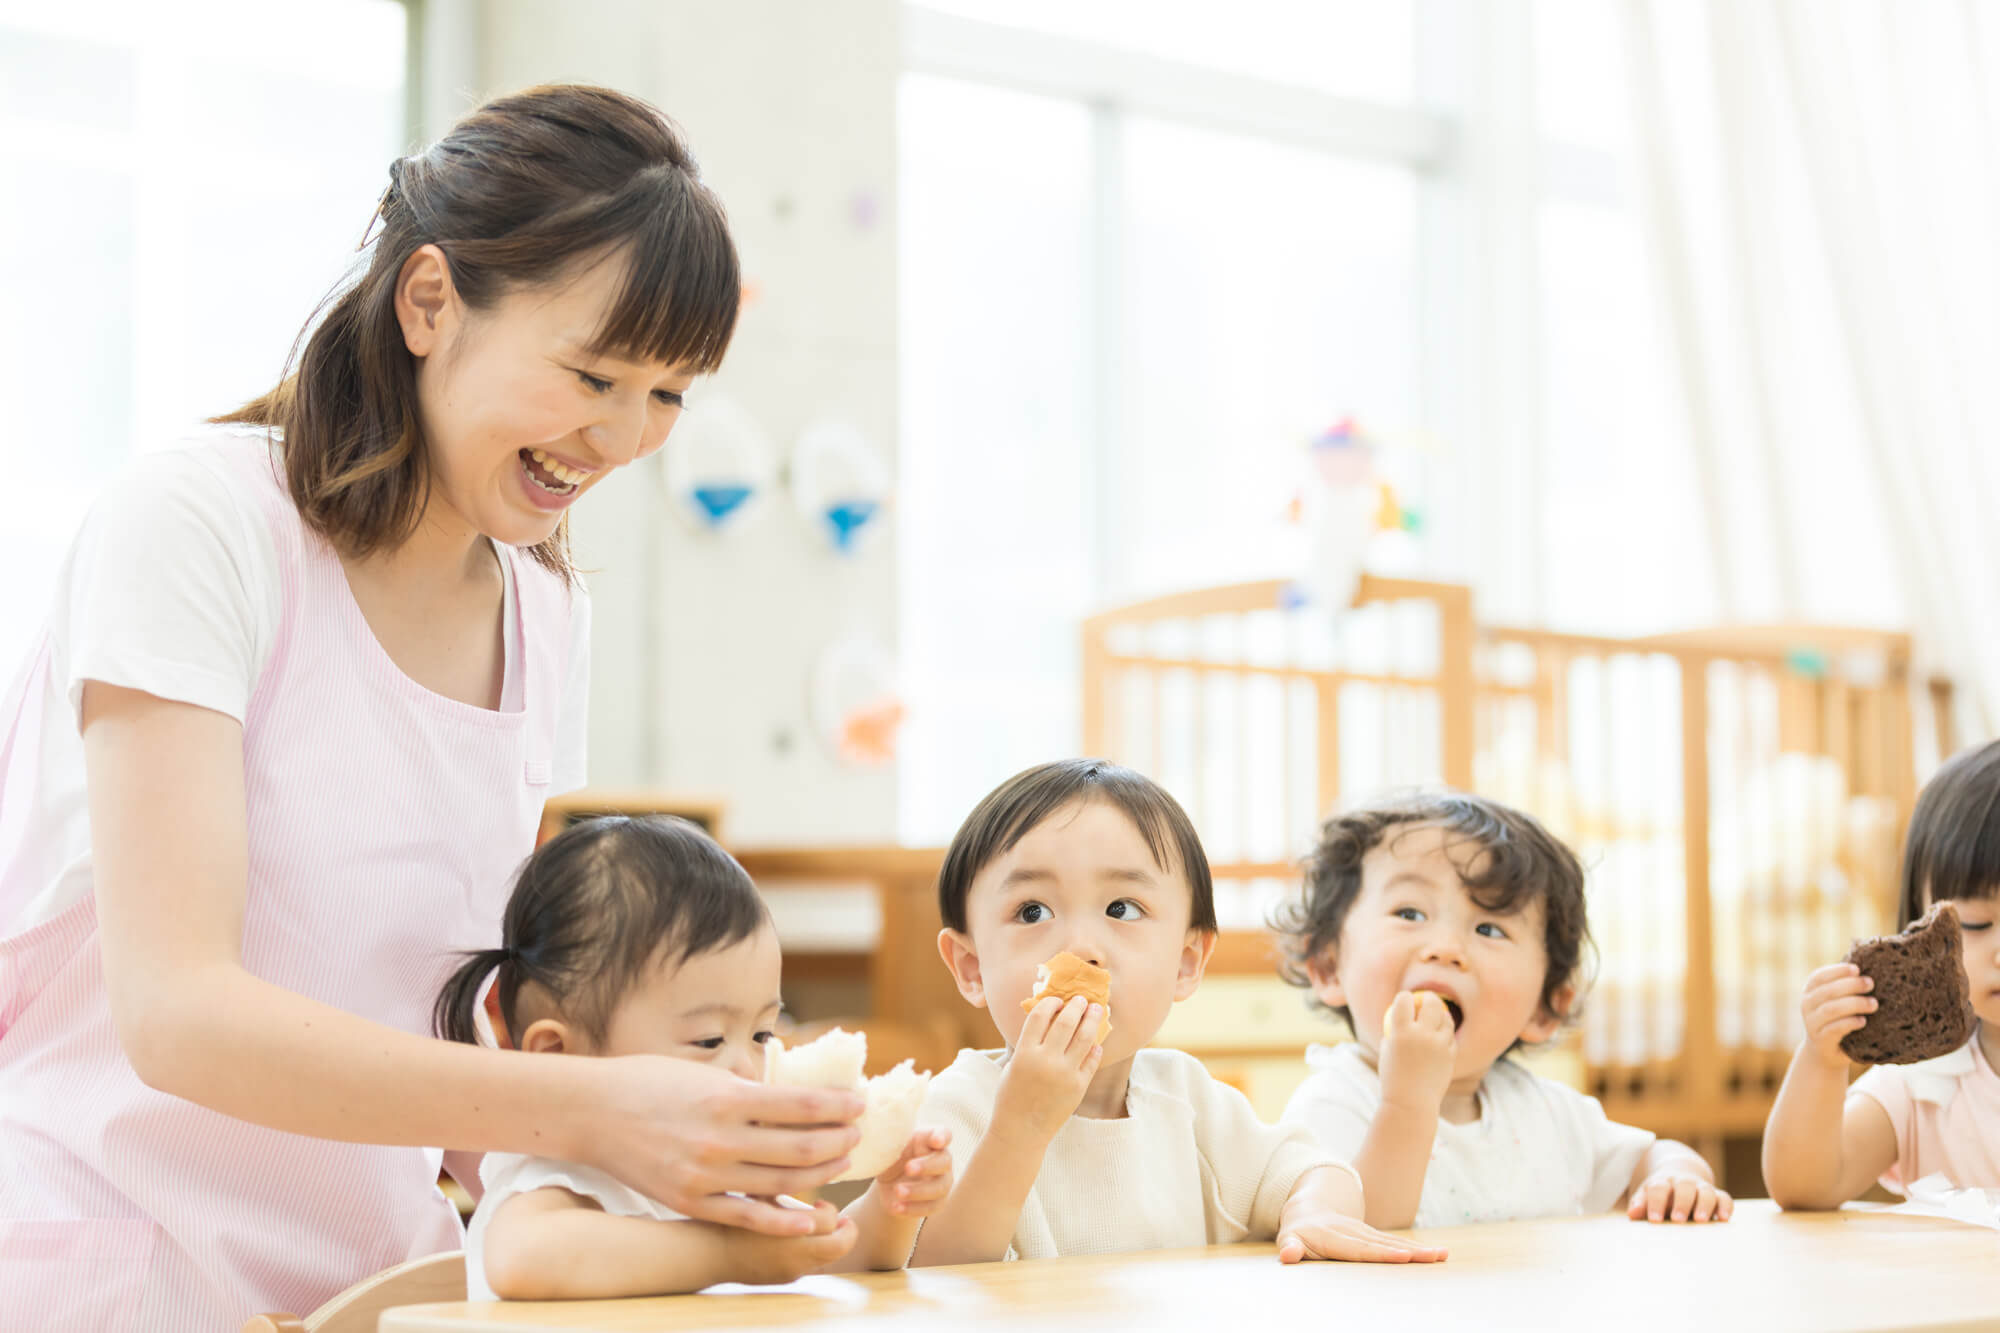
(1831, 1272)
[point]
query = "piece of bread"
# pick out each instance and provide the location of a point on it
(893, 1099)
(1924, 999)
(1065, 975)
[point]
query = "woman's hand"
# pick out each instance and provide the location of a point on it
(714, 1146)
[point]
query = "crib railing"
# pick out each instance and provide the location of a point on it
(1258, 716)
(1739, 796)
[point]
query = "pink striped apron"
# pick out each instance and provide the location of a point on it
(384, 823)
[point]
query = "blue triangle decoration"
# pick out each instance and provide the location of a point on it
(721, 500)
(848, 517)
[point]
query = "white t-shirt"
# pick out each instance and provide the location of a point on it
(172, 587)
(506, 1174)
(1538, 1149)
(1190, 1164)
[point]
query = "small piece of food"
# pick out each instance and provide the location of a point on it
(893, 1099)
(1924, 1001)
(1066, 975)
(1417, 1009)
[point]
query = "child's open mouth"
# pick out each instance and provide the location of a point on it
(1451, 1006)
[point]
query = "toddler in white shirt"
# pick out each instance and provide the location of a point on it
(1447, 930)
(1074, 1141)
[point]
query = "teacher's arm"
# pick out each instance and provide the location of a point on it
(170, 858)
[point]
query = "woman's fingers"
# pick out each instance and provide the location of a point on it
(777, 1145)
(775, 1104)
(748, 1214)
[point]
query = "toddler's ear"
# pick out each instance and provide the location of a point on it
(1326, 987)
(956, 949)
(1549, 1017)
(549, 1036)
(1200, 947)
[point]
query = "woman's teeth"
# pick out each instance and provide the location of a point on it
(569, 476)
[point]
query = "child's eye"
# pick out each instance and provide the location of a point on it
(1974, 925)
(1029, 914)
(1132, 911)
(709, 1043)
(668, 398)
(595, 383)
(762, 1037)
(1408, 914)
(1491, 930)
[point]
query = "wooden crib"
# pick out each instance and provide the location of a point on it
(1738, 795)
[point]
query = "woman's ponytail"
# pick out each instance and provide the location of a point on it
(455, 1016)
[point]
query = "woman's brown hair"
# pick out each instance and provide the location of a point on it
(514, 195)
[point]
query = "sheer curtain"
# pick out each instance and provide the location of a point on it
(1820, 181)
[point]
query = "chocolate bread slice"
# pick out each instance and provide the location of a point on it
(1925, 1000)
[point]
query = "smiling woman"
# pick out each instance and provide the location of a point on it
(308, 683)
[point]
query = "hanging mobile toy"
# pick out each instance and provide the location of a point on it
(718, 462)
(839, 482)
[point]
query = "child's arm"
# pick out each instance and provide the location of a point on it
(549, 1244)
(888, 1215)
(1674, 1184)
(1418, 1045)
(1820, 1149)
(1044, 1082)
(1322, 1220)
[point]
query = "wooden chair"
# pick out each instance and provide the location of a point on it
(437, 1277)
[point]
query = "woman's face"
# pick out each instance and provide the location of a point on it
(520, 418)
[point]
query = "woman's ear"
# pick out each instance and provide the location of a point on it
(1550, 1016)
(1195, 953)
(956, 948)
(1325, 978)
(426, 301)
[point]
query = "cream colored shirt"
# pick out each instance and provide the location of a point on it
(1190, 1164)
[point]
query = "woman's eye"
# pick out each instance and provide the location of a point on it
(1131, 910)
(595, 383)
(1491, 930)
(1408, 914)
(1029, 914)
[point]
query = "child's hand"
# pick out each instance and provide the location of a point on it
(918, 1181)
(1836, 1003)
(1337, 1236)
(1419, 1046)
(1051, 1067)
(1676, 1194)
(761, 1260)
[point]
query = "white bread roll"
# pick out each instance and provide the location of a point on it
(835, 1061)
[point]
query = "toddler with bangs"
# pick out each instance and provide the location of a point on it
(1447, 930)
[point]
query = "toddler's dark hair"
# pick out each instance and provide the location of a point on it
(1953, 847)
(1511, 861)
(594, 908)
(1026, 799)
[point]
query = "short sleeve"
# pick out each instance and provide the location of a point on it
(571, 768)
(1615, 1150)
(1336, 1113)
(1256, 1166)
(520, 1175)
(172, 589)
(1886, 1086)
(960, 1099)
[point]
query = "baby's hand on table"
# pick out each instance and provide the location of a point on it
(1338, 1236)
(763, 1260)
(918, 1181)
(1836, 1003)
(1050, 1068)
(1419, 1047)
(1676, 1194)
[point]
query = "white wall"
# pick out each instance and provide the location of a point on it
(704, 645)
